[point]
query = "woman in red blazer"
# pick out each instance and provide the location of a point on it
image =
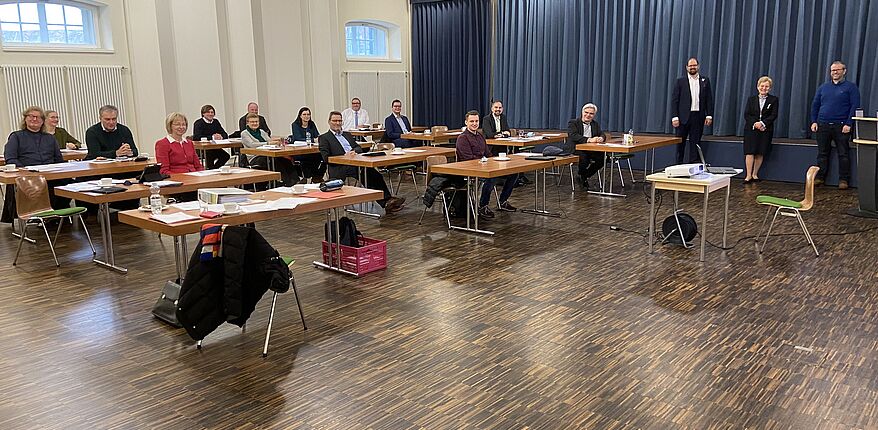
(175, 152)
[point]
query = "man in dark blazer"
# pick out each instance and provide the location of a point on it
(252, 107)
(586, 130)
(692, 108)
(338, 142)
(494, 124)
(395, 125)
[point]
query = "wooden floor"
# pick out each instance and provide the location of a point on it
(554, 323)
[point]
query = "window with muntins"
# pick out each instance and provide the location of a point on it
(47, 24)
(365, 41)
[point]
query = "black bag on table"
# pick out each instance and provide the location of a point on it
(165, 307)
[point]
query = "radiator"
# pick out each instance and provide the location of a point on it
(76, 92)
(376, 90)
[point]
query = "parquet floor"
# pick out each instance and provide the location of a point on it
(554, 323)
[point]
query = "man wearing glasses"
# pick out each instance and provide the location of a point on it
(355, 116)
(831, 111)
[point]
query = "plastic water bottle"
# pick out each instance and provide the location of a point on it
(308, 136)
(155, 199)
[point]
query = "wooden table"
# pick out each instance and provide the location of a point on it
(190, 183)
(704, 183)
(641, 143)
(288, 151)
(410, 155)
(67, 154)
(202, 146)
(79, 169)
(347, 196)
(511, 143)
(375, 134)
(431, 138)
(493, 168)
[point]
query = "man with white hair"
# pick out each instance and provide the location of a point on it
(586, 130)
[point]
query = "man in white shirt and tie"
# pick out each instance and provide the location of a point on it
(355, 116)
(692, 109)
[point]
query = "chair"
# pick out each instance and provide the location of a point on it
(789, 208)
(617, 158)
(33, 207)
(289, 262)
(434, 160)
(399, 169)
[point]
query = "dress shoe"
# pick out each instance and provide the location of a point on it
(506, 207)
(394, 204)
(747, 181)
(818, 182)
(485, 212)
(843, 185)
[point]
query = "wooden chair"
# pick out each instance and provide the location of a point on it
(789, 208)
(33, 208)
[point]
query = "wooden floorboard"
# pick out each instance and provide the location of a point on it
(552, 323)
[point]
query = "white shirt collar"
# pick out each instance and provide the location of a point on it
(171, 139)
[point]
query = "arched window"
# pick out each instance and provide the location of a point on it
(365, 40)
(56, 23)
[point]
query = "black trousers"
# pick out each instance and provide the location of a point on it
(826, 134)
(590, 162)
(690, 133)
(215, 158)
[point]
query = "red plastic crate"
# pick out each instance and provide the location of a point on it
(369, 257)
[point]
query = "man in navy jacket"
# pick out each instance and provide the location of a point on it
(396, 124)
(692, 107)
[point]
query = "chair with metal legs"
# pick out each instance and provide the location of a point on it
(790, 208)
(400, 169)
(617, 158)
(33, 208)
(433, 160)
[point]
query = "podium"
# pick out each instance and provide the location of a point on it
(866, 137)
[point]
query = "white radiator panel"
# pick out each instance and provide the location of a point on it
(41, 86)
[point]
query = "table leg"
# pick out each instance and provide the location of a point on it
(544, 208)
(364, 179)
(726, 212)
(107, 235)
(704, 224)
(605, 190)
(470, 198)
(652, 218)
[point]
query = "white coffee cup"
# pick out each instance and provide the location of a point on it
(231, 207)
(106, 182)
(502, 155)
(204, 139)
(225, 169)
(398, 151)
(299, 188)
(427, 131)
(9, 168)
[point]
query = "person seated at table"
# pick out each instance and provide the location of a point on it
(31, 146)
(355, 116)
(175, 152)
(208, 127)
(471, 145)
(305, 130)
(586, 130)
(397, 124)
(254, 137)
(108, 138)
(338, 142)
(64, 139)
(494, 125)
(253, 108)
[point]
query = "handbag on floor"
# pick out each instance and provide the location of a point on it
(165, 307)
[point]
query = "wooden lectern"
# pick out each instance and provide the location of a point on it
(866, 137)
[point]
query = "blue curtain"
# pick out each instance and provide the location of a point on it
(623, 55)
(451, 60)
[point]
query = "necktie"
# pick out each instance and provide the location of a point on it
(356, 119)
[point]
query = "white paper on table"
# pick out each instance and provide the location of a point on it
(172, 218)
(216, 207)
(415, 150)
(285, 190)
(300, 143)
(49, 167)
(312, 186)
(80, 187)
(187, 206)
(528, 154)
(203, 173)
(552, 134)
(221, 141)
(272, 147)
(453, 132)
(259, 207)
(72, 151)
(163, 183)
(290, 202)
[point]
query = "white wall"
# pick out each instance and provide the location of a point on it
(181, 54)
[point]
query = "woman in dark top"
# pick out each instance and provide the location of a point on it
(759, 116)
(208, 127)
(304, 130)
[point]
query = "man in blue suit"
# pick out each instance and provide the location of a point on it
(692, 107)
(396, 124)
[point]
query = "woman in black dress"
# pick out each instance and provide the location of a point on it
(759, 116)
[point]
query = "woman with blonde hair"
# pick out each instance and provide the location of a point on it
(759, 116)
(64, 139)
(175, 152)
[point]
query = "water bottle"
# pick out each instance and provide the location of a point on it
(308, 136)
(630, 136)
(155, 199)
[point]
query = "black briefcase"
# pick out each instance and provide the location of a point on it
(165, 307)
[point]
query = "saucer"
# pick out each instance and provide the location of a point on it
(227, 173)
(232, 213)
(502, 159)
(397, 153)
(303, 192)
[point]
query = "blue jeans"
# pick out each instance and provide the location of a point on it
(489, 187)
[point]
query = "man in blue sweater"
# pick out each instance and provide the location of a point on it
(831, 111)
